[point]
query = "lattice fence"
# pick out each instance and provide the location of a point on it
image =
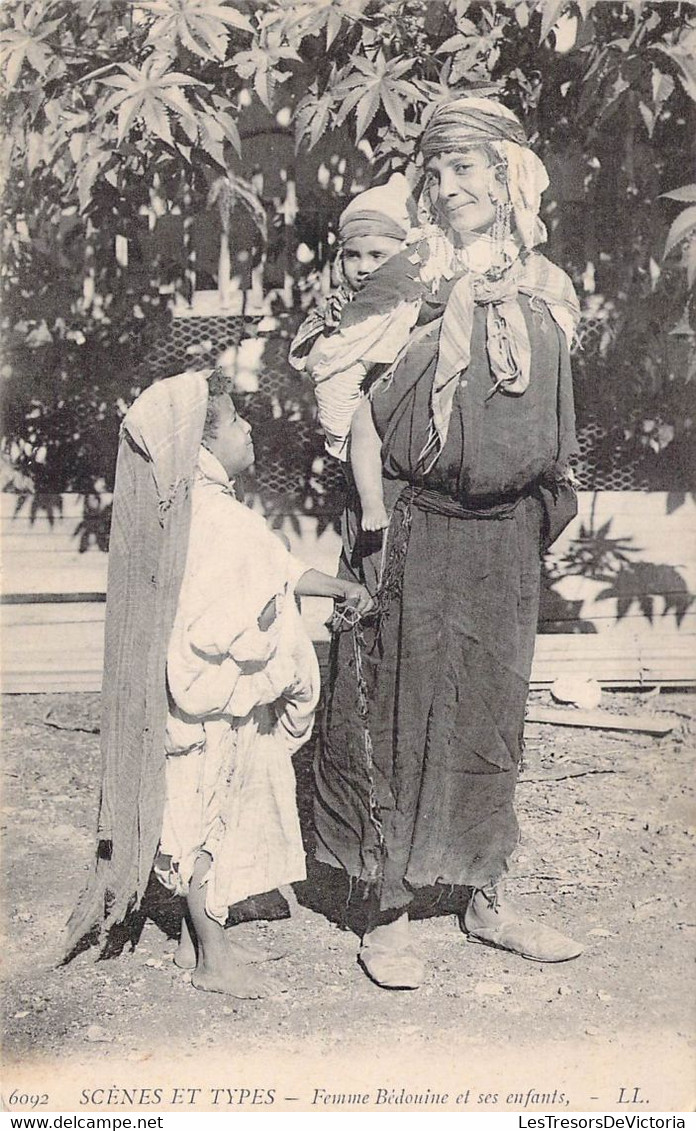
(292, 470)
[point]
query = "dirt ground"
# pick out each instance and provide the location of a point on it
(606, 853)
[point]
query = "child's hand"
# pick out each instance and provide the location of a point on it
(374, 517)
(333, 308)
(357, 597)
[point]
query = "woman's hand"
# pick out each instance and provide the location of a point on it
(357, 597)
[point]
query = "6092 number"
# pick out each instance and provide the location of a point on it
(22, 1099)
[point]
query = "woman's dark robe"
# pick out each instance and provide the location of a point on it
(415, 785)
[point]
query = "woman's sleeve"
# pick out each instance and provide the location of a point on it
(567, 439)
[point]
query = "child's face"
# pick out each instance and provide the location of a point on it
(232, 443)
(364, 254)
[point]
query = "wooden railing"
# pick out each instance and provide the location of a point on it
(53, 595)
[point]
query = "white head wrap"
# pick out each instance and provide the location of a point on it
(385, 210)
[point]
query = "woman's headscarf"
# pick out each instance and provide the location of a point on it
(455, 126)
(475, 121)
(160, 440)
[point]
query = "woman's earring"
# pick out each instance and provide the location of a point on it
(426, 212)
(501, 225)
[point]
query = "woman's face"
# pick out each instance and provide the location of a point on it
(231, 443)
(463, 190)
(364, 254)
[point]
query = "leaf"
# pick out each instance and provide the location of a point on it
(466, 26)
(602, 66)
(317, 16)
(687, 193)
(683, 227)
(87, 173)
(522, 14)
(648, 117)
(200, 25)
(230, 190)
(551, 11)
(129, 109)
(641, 583)
(156, 121)
(313, 116)
(207, 44)
(260, 64)
(394, 108)
(35, 150)
(467, 65)
(333, 27)
(365, 111)
(618, 87)
(226, 122)
(263, 85)
(645, 603)
(15, 48)
(458, 8)
(213, 137)
(454, 43)
(175, 99)
(212, 145)
(662, 87)
(24, 42)
(149, 94)
(76, 145)
(374, 84)
(685, 60)
(683, 328)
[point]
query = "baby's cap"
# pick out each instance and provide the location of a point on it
(385, 210)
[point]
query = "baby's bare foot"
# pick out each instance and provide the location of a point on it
(374, 519)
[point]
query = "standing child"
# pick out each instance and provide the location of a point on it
(210, 685)
(372, 229)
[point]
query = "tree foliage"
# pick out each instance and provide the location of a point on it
(120, 119)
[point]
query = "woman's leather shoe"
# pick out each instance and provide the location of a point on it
(494, 923)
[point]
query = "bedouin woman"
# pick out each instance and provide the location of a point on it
(423, 731)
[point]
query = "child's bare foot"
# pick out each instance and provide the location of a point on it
(217, 968)
(241, 953)
(374, 517)
(185, 953)
(237, 981)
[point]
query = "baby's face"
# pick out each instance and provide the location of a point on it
(364, 254)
